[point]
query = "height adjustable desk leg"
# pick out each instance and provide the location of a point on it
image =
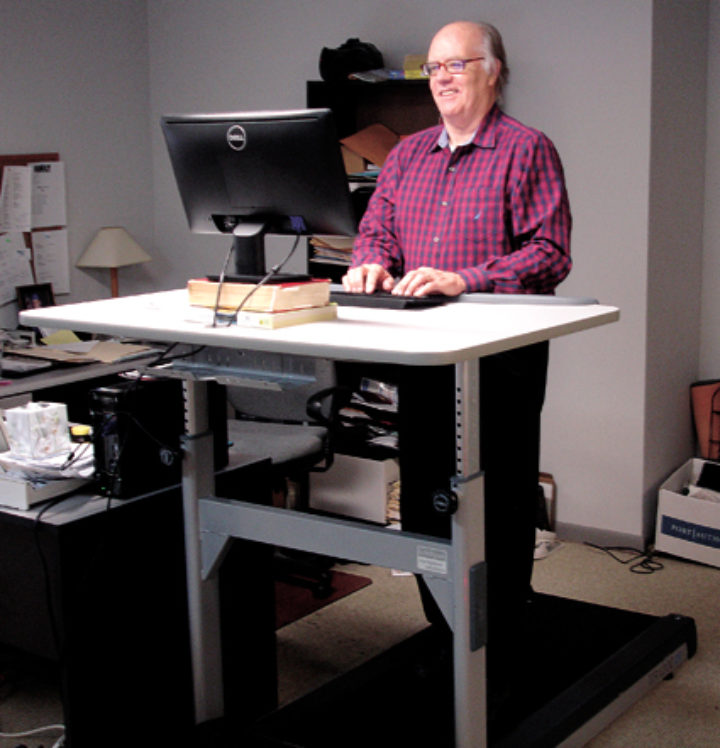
(469, 576)
(203, 594)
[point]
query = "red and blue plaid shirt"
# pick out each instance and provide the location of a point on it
(495, 210)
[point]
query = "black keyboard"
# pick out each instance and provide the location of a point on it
(386, 300)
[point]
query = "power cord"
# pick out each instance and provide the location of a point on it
(299, 226)
(38, 731)
(640, 562)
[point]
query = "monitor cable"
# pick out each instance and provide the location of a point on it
(228, 319)
(221, 281)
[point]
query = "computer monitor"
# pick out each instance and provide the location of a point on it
(248, 174)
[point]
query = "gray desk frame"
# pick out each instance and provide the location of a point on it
(457, 334)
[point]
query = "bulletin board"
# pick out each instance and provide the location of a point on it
(33, 224)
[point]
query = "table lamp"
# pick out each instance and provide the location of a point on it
(112, 248)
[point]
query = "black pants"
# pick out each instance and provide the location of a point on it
(512, 392)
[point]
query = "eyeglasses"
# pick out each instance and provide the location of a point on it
(454, 67)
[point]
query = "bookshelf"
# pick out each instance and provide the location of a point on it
(405, 106)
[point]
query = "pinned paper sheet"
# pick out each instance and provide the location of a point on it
(52, 264)
(33, 196)
(48, 194)
(15, 267)
(15, 201)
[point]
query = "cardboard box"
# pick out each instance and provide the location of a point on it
(354, 487)
(372, 144)
(687, 527)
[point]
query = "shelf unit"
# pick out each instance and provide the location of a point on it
(405, 106)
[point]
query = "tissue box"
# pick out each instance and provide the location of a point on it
(38, 430)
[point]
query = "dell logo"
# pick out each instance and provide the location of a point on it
(237, 137)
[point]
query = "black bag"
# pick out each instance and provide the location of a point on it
(353, 56)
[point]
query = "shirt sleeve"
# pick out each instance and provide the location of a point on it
(539, 224)
(376, 242)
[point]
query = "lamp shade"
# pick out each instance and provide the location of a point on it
(112, 247)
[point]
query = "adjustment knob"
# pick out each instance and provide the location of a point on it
(444, 501)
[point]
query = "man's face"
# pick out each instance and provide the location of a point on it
(462, 99)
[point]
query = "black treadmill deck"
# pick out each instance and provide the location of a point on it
(580, 658)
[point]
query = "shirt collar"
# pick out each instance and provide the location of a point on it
(485, 135)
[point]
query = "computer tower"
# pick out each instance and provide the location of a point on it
(137, 429)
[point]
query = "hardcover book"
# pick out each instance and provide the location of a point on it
(267, 320)
(278, 297)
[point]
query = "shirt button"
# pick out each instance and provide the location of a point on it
(444, 203)
(436, 239)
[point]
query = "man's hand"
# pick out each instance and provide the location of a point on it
(367, 278)
(424, 281)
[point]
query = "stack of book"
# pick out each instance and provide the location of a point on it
(271, 305)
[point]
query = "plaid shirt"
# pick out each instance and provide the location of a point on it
(495, 211)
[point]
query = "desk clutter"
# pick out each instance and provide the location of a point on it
(128, 445)
(40, 460)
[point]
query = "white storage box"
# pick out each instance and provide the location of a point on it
(21, 494)
(354, 487)
(686, 526)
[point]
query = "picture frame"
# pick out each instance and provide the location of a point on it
(35, 296)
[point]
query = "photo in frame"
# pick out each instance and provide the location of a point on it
(35, 296)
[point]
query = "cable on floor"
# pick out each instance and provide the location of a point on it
(640, 562)
(38, 731)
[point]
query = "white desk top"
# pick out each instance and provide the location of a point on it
(447, 334)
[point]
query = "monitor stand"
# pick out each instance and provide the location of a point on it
(249, 249)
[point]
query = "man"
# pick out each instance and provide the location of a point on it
(478, 203)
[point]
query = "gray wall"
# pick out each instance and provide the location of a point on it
(75, 80)
(618, 86)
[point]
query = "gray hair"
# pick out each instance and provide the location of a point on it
(495, 52)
